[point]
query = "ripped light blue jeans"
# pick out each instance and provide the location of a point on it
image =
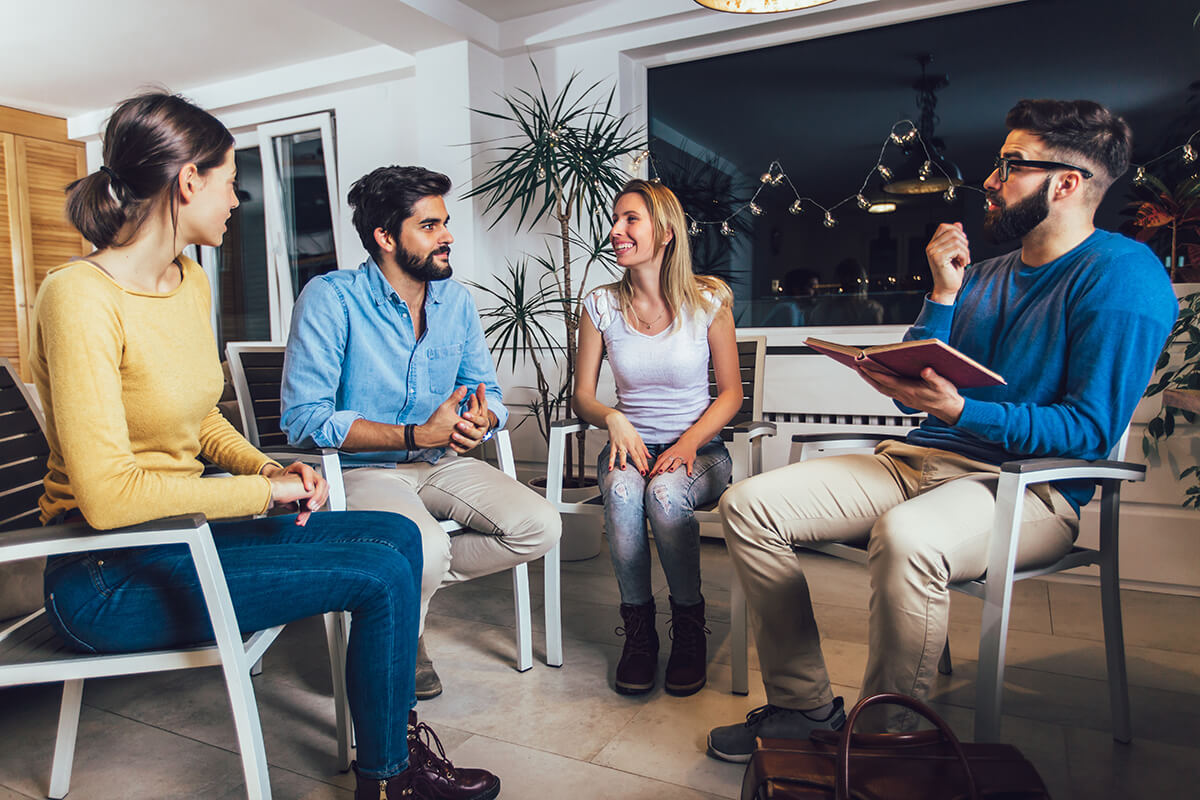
(669, 501)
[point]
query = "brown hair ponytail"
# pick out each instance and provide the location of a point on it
(148, 140)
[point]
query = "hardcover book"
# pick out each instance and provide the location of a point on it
(907, 359)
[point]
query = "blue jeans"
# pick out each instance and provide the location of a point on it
(364, 562)
(669, 501)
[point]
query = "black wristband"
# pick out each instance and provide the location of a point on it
(410, 437)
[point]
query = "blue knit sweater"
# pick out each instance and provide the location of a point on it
(1076, 339)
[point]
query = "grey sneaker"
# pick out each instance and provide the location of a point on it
(428, 684)
(736, 742)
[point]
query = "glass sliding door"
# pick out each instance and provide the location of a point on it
(282, 235)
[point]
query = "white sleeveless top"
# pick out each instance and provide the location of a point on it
(662, 380)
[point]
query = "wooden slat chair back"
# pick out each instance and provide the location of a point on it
(31, 651)
(257, 371)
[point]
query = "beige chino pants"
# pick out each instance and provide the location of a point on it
(509, 523)
(926, 517)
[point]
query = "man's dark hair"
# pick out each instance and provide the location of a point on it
(385, 197)
(1078, 128)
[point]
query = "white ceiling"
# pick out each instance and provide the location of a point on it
(70, 57)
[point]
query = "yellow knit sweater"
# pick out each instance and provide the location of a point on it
(130, 382)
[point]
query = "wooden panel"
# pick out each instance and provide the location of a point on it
(10, 258)
(46, 169)
(27, 123)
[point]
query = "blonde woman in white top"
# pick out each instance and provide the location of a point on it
(659, 325)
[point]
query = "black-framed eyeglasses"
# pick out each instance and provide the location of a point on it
(1003, 165)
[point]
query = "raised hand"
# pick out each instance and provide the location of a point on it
(949, 253)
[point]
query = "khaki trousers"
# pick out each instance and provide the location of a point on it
(926, 518)
(509, 523)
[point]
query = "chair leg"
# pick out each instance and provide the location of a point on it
(256, 669)
(64, 745)
(1110, 606)
(551, 562)
(738, 638)
(524, 618)
(336, 640)
(945, 667)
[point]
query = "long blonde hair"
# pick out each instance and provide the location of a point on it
(681, 288)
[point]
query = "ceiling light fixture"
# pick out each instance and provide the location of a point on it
(760, 6)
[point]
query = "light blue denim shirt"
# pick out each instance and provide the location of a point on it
(352, 354)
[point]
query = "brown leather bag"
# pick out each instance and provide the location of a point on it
(925, 765)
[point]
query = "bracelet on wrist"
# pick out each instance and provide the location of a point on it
(410, 437)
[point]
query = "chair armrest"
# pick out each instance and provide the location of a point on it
(306, 454)
(564, 426)
(850, 439)
(754, 429)
(77, 537)
(1040, 470)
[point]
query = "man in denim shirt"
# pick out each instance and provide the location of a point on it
(388, 363)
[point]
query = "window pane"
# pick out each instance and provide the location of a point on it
(243, 313)
(308, 227)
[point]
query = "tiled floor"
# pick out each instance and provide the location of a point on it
(564, 733)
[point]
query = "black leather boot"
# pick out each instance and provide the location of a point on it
(430, 775)
(687, 667)
(639, 657)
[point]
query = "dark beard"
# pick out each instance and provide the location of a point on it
(424, 269)
(1003, 224)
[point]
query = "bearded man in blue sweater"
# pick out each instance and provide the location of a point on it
(1074, 320)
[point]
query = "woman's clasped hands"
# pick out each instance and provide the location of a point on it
(297, 485)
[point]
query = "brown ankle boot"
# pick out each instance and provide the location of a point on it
(639, 657)
(686, 669)
(429, 776)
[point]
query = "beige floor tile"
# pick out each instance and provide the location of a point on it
(529, 773)
(12, 794)
(569, 711)
(1150, 619)
(1030, 608)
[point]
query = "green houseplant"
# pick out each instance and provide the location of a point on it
(561, 164)
(1185, 375)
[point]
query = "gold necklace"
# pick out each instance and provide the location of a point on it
(650, 324)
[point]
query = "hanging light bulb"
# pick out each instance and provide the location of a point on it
(1189, 153)
(778, 179)
(829, 221)
(896, 138)
(884, 172)
(766, 177)
(541, 173)
(948, 195)
(639, 158)
(925, 171)
(756, 209)
(795, 207)
(656, 179)
(694, 228)
(862, 201)
(726, 230)
(1139, 176)
(910, 136)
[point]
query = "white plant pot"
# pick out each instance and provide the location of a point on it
(582, 534)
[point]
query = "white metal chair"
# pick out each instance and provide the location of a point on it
(744, 434)
(995, 588)
(30, 650)
(257, 371)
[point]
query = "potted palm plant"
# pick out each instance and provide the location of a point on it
(563, 164)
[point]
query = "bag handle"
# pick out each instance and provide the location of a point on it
(841, 788)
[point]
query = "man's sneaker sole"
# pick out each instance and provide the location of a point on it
(735, 758)
(685, 691)
(632, 688)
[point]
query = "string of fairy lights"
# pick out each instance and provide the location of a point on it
(904, 134)
(1187, 154)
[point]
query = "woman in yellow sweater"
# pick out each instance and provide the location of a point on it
(124, 358)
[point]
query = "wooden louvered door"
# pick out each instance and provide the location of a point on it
(36, 164)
